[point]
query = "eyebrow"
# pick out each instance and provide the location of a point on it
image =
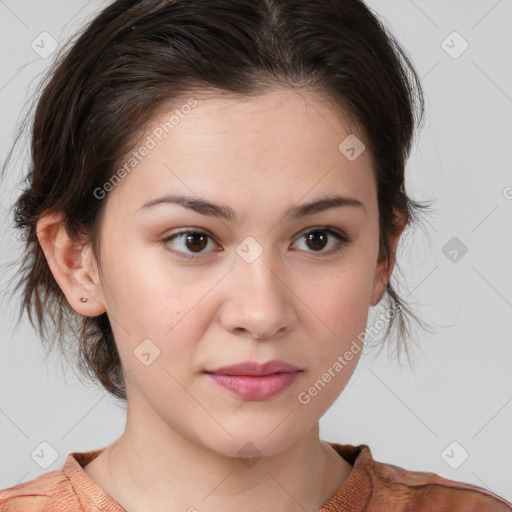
(204, 207)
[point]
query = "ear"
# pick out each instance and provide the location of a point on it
(384, 267)
(72, 265)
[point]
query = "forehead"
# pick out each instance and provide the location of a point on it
(279, 142)
(266, 114)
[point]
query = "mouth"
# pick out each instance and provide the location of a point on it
(252, 381)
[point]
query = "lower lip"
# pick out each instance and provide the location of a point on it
(252, 387)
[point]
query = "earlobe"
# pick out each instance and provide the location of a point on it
(72, 266)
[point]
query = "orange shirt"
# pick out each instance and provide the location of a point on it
(371, 487)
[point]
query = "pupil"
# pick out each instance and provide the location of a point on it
(315, 236)
(193, 238)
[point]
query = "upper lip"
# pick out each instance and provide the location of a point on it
(253, 368)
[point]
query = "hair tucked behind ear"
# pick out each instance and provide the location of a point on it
(136, 57)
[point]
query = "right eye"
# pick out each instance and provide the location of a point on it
(188, 240)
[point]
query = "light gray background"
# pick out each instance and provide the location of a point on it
(460, 388)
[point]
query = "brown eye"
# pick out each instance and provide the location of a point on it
(196, 241)
(188, 243)
(316, 240)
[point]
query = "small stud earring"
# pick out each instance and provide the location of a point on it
(83, 299)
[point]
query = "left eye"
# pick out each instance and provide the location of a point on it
(318, 238)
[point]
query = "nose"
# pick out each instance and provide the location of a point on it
(259, 303)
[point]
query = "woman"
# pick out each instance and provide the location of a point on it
(215, 201)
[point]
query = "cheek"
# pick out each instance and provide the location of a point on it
(138, 284)
(339, 298)
(148, 299)
(340, 304)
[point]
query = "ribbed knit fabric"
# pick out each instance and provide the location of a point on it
(371, 487)
(378, 487)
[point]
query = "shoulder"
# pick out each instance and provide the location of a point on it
(34, 495)
(421, 491)
(64, 490)
(375, 486)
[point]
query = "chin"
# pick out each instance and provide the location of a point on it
(255, 443)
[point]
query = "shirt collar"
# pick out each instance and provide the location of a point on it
(353, 495)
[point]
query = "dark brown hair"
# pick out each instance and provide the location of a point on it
(137, 57)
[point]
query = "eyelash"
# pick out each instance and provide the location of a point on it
(342, 240)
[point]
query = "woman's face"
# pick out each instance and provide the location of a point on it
(239, 269)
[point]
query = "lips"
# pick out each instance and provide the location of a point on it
(251, 368)
(252, 381)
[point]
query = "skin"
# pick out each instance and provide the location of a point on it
(297, 302)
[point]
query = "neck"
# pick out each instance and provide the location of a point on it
(153, 467)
